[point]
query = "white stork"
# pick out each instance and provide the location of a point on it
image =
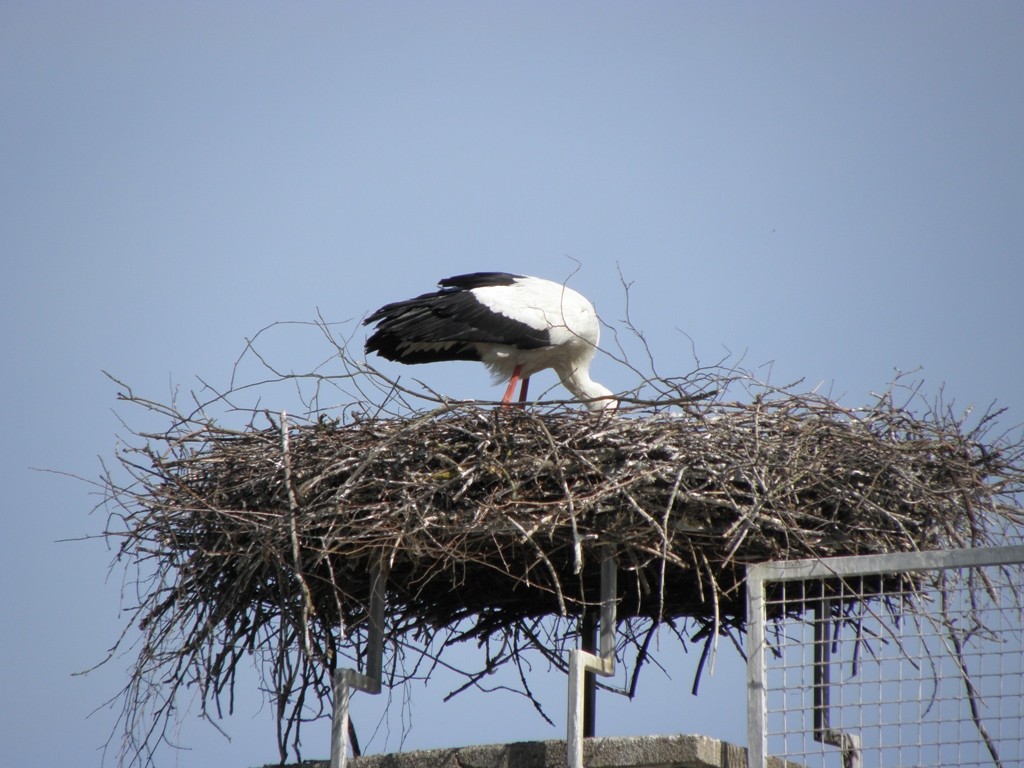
(515, 325)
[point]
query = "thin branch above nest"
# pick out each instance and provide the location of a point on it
(262, 539)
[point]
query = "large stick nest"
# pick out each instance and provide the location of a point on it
(262, 538)
(495, 514)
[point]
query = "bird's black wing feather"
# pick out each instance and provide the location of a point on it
(479, 280)
(447, 324)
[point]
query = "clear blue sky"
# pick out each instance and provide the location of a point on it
(836, 189)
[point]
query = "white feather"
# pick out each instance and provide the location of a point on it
(572, 324)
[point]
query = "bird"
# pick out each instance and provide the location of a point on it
(516, 325)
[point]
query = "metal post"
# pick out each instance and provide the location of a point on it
(345, 680)
(822, 671)
(757, 694)
(375, 640)
(588, 643)
(581, 662)
(848, 743)
(609, 601)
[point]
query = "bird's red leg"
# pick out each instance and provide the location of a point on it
(511, 386)
(522, 390)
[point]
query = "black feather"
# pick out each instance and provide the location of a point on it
(452, 321)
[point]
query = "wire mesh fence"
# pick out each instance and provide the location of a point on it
(911, 659)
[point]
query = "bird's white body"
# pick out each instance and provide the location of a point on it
(516, 325)
(566, 315)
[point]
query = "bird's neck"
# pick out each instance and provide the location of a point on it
(595, 396)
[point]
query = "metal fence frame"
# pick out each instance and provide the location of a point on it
(804, 570)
